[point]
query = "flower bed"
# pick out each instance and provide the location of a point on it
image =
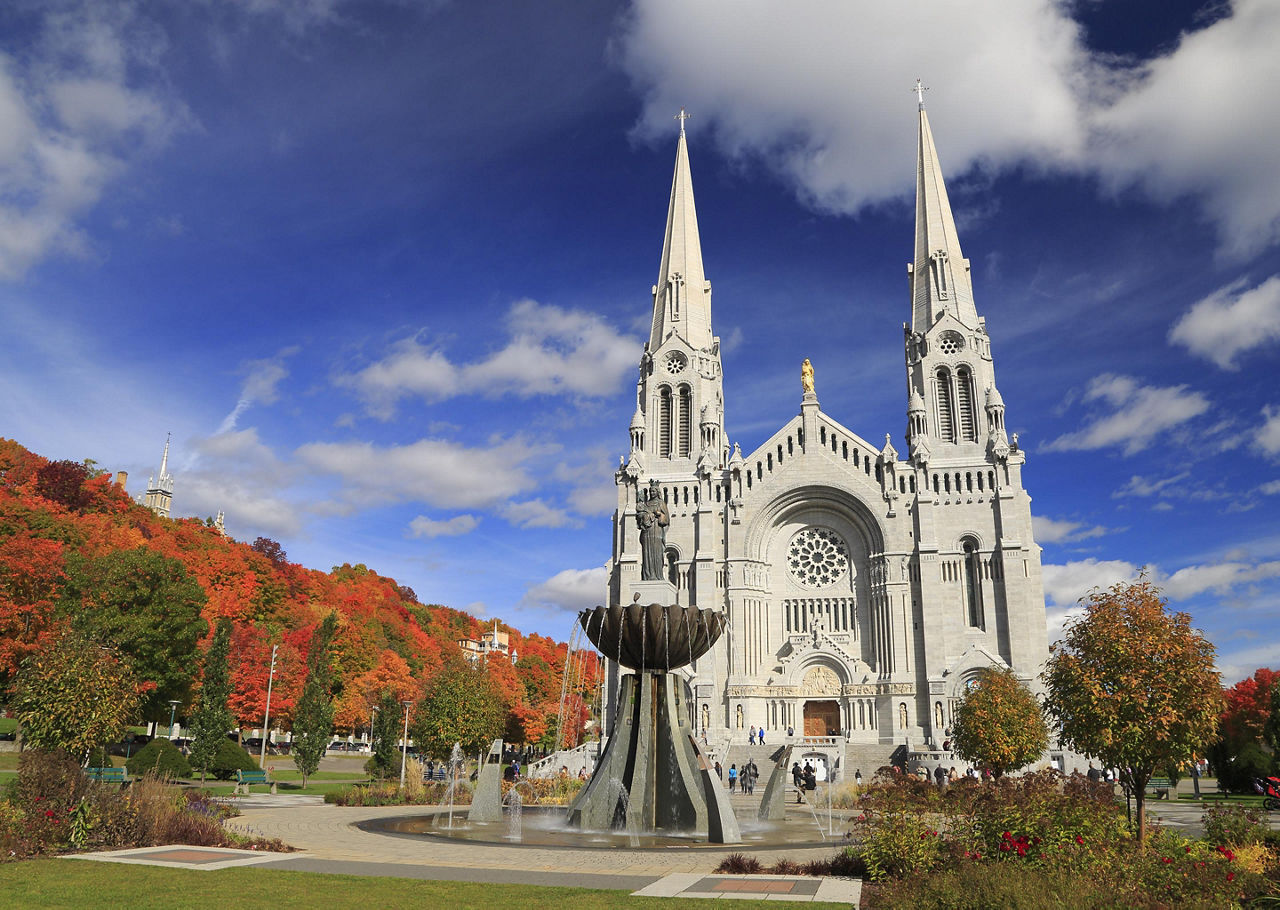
(54, 808)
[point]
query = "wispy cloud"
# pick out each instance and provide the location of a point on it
(1230, 321)
(1139, 413)
(1051, 530)
(422, 526)
(549, 351)
(570, 590)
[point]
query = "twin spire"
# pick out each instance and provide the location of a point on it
(940, 280)
(682, 296)
(940, 274)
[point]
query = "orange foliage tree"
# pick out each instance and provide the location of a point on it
(1134, 685)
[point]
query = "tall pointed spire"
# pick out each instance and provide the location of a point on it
(682, 296)
(940, 273)
(159, 495)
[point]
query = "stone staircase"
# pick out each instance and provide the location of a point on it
(747, 806)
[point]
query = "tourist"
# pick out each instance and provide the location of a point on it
(810, 778)
(760, 736)
(797, 776)
(733, 777)
(953, 775)
(582, 773)
(751, 737)
(790, 731)
(1094, 774)
(564, 772)
(857, 778)
(940, 776)
(719, 771)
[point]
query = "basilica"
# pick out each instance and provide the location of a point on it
(865, 587)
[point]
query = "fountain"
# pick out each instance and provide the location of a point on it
(652, 757)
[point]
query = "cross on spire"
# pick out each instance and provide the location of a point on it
(920, 89)
(682, 117)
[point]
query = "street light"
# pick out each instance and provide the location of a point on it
(373, 717)
(266, 717)
(173, 708)
(404, 742)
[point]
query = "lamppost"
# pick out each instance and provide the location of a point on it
(404, 742)
(173, 708)
(266, 717)
(373, 718)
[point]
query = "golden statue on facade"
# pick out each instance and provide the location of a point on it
(806, 377)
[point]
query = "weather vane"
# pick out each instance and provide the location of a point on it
(920, 89)
(682, 117)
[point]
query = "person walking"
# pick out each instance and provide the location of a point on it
(733, 777)
(751, 737)
(760, 736)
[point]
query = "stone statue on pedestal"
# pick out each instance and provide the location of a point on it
(653, 518)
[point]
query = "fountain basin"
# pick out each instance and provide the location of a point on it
(545, 827)
(653, 636)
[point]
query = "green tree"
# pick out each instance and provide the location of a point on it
(146, 605)
(313, 714)
(386, 732)
(463, 706)
(999, 724)
(75, 695)
(212, 719)
(1134, 686)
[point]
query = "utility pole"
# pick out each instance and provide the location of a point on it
(266, 718)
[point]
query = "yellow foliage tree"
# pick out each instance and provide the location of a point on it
(1134, 686)
(999, 724)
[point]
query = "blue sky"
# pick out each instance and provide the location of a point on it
(383, 269)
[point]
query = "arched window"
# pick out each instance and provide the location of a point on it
(964, 395)
(945, 405)
(972, 583)
(664, 422)
(686, 420)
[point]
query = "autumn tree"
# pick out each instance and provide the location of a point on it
(999, 724)
(147, 605)
(64, 482)
(462, 705)
(75, 695)
(212, 719)
(385, 735)
(31, 577)
(313, 715)
(1134, 685)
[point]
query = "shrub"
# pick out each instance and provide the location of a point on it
(739, 864)
(161, 758)
(1233, 825)
(898, 843)
(1236, 773)
(230, 759)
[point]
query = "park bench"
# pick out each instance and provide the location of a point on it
(1160, 786)
(106, 775)
(247, 778)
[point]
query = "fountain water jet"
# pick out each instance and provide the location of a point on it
(653, 754)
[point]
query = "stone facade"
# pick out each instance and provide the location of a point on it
(864, 589)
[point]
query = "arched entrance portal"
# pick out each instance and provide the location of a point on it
(822, 718)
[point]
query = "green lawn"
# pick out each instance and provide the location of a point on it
(68, 883)
(8, 724)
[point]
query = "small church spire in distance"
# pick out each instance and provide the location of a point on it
(920, 89)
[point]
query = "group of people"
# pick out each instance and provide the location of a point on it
(755, 737)
(747, 777)
(805, 778)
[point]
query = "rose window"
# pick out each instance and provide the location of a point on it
(950, 343)
(817, 557)
(675, 363)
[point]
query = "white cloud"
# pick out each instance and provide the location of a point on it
(76, 110)
(1268, 436)
(1051, 530)
(1270, 488)
(422, 526)
(549, 351)
(1143, 486)
(260, 386)
(1231, 321)
(437, 472)
(817, 92)
(571, 590)
(1218, 577)
(1066, 584)
(1139, 414)
(535, 513)
(1237, 665)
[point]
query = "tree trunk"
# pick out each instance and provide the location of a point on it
(1138, 781)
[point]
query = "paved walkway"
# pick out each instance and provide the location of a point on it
(331, 841)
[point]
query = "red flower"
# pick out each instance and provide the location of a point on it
(1022, 849)
(1079, 839)
(1188, 849)
(1231, 876)
(1006, 836)
(48, 813)
(1004, 847)
(1166, 860)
